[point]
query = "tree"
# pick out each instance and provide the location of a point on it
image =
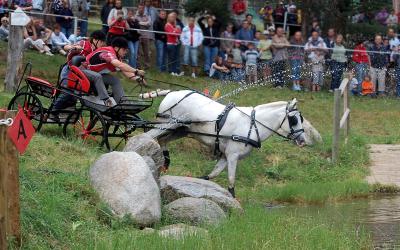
(219, 8)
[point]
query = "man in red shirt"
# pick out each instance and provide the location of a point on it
(106, 60)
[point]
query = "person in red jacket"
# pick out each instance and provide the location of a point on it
(239, 8)
(174, 31)
(118, 26)
(106, 60)
(361, 59)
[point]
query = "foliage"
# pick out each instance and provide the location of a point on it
(218, 8)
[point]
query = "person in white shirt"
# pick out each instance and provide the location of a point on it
(191, 38)
(58, 40)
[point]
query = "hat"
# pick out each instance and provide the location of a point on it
(272, 28)
(281, 2)
(292, 6)
(266, 32)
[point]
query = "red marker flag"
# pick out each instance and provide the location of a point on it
(21, 131)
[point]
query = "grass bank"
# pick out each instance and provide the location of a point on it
(60, 210)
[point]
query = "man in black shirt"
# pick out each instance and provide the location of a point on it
(161, 40)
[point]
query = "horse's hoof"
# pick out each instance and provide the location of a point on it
(164, 169)
(206, 177)
(236, 198)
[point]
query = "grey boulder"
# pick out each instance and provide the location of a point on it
(124, 181)
(175, 187)
(195, 210)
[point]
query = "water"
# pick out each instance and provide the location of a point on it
(380, 216)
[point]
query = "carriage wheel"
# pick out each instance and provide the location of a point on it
(118, 136)
(31, 106)
(87, 125)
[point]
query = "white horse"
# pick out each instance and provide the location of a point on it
(195, 115)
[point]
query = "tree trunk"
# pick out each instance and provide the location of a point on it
(14, 58)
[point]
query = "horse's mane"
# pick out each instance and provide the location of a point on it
(272, 105)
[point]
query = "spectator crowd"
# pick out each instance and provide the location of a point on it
(237, 51)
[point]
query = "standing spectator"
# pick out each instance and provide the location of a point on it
(245, 34)
(23, 4)
(392, 20)
(191, 38)
(4, 30)
(316, 49)
(237, 53)
(80, 9)
(59, 40)
(339, 61)
(330, 43)
(264, 47)
(296, 58)
(113, 12)
(252, 26)
(396, 59)
(266, 14)
(361, 59)
(3, 7)
(239, 8)
(117, 28)
(279, 46)
(161, 40)
(210, 45)
(394, 42)
(315, 26)
(65, 21)
(181, 26)
(382, 16)
(251, 57)
(133, 37)
(279, 14)
(292, 20)
(379, 60)
(227, 45)
(150, 11)
(145, 24)
(37, 6)
(174, 32)
(105, 12)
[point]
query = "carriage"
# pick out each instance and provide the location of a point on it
(87, 118)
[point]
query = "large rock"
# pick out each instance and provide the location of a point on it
(124, 181)
(175, 187)
(180, 231)
(195, 210)
(146, 146)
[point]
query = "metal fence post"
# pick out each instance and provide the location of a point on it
(336, 125)
(75, 26)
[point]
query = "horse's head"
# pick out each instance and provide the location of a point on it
(293, 124)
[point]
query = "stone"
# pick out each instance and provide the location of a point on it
(124, 181)
(180, 231)
(145, 145)
(195, 210)
(175, 187)
(148, 230)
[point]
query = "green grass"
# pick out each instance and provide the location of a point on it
(60, 210)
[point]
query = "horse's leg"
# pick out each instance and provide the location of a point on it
(163, 141)
(232, 163)
(219, 167)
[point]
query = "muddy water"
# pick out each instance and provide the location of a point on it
(380, 216)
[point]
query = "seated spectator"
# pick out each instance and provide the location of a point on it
(392, 20)
(76, 38)
(65, 22)
(105, 12)
(316, 49)
(251, 57)
(4, 29)
(32, 41)
(354, 84)
(42, 31)
(191, 38)
(367, 87)
(236, 72)
(245, 33)
(59, 40)
(117, 28)
(218, 70)
(226, 46)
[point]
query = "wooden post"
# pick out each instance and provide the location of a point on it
(345, 105)
(76, 26)
(14, 57)
(336, 125)
(9, 185)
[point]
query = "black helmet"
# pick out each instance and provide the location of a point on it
(98, 35)
(120, 42)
